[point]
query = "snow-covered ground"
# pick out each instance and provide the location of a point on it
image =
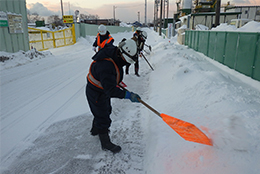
(45, 119)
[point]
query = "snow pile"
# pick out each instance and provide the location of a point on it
(224, 27)
(9, 60)
(190, 88)
(251, 26)
(201, 27)
(123, 24)
(45, 28)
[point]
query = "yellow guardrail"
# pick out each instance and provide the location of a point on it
(44, 39)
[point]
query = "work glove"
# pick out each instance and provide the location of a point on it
(132, 96)
(94, 49)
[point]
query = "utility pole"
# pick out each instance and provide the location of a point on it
(167, 12)
(164, 12)
(114, 11)
(165, 8)
(155, 20)
(69, 8)
(145, 12)
(160, 28)
(61, 4)
(217, 10)
(138, 15)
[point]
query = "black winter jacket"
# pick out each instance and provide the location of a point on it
(105, 71)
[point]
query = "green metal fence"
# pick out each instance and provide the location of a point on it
(238, 50)
(82, 29)
(14, 35)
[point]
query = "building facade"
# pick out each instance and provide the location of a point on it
(247, 12)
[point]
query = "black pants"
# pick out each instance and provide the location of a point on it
(100, 107)
(136, 67)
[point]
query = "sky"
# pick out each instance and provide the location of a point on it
(45, 119)
(126, 11)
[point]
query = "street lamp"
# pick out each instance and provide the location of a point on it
(76, 15)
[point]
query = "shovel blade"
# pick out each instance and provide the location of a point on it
(186, 130)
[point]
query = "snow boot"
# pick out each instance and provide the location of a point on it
(94, 131)
(107, 145)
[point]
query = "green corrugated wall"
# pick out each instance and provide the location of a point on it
(15, 41)
(238, 50)
(83, 29)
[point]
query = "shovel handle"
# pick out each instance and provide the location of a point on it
(145, 104)
(149, 107)
(147, 61)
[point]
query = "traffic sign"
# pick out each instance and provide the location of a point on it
(68, 19)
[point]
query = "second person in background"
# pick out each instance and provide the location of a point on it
(103, 38)
(139, 37)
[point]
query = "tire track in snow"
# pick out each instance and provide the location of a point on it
(42, 104)
(39, 88)
(21, 72)
(37, 102)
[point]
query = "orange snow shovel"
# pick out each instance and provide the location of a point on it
(186, 130)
